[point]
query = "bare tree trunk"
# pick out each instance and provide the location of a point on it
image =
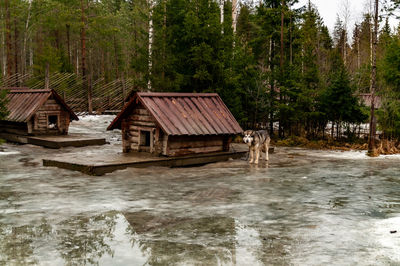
(281, 63)
(290, 40)
(358, 47)
(8, 38)
(123, 85)
(221, 10)
(31, 56)
(3, 53)
(234, 14)
(272, 92)
(256, 110)
(68, 27)
(47, 77)
(77, 58)
(302, 61)
(282, 25)
(371, 40)
(150, 47)
(83, 59)
(116, 58)
(164, 41)
(346, 13)
(24, 52)
(16, 70)
(372, 125)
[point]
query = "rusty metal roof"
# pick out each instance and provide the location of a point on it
(184, 113)
(24, 102)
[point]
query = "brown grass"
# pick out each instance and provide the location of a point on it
(328, 144)
(384, 147)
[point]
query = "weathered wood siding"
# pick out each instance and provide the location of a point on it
(39, 122)
(185, 145)
(140, 120)
(13, 128)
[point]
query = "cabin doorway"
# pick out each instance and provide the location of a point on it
(52, 122)
(146, 140)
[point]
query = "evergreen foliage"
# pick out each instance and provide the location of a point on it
(190, 46)
(3, 104)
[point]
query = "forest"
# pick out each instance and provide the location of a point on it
(274, 65)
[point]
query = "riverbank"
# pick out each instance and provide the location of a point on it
(327, 144)
(383, 147)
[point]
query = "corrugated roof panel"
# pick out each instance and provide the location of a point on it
(23, 103)
(208, 113)
(202, 122)
(191, 118)
(218, 115)
(190, 113)
(173, 121)
(194, 119)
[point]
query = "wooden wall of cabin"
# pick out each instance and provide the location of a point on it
(39, 124)
(138, 121)
(185, 145)
(13, 128)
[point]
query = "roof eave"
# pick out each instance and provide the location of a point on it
(116, 123)
(73, 116)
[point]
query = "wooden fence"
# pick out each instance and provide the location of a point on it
(106, 96)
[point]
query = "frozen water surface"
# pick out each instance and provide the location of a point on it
(305, 208)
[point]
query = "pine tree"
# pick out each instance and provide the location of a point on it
(3, 104)
(338, 101)
(310, 82)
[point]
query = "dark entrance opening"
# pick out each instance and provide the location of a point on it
(145, 138)
(52, 121)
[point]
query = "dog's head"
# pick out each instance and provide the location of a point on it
(248, 137)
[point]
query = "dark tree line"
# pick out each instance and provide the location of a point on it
(280, 68)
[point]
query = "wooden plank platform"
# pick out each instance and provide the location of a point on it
(103, 164)
(56, 142)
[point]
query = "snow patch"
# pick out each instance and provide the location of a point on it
(355, 155)
(5, 153)
(95, 118)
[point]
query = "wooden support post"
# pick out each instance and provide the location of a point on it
(126, 142)
(165, 145)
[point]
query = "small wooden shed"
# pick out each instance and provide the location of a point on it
(36, 112)
(175, 124)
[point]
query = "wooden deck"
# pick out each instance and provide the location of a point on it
(107, 163)
(55, 142)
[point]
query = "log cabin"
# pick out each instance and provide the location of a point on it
(36, 112)
(176, 124)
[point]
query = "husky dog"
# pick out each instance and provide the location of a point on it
(258, 141)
